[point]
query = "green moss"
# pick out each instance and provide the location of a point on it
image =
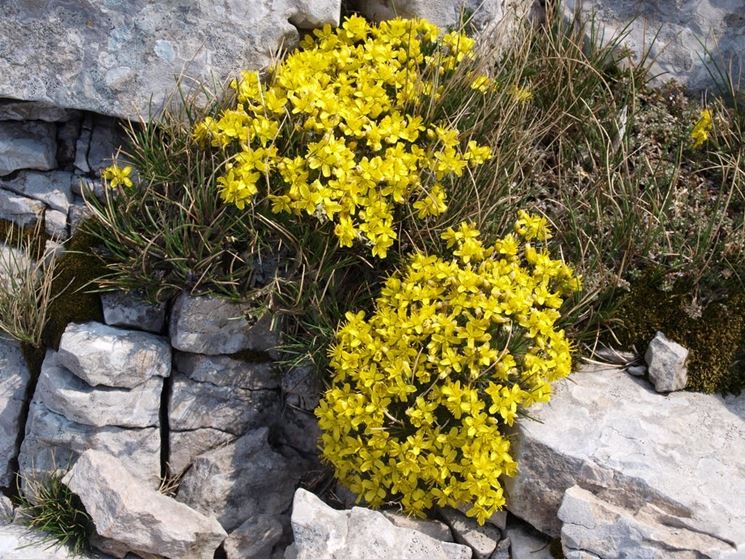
(715, 340)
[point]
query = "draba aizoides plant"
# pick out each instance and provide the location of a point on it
(422, 389)
(339, 130)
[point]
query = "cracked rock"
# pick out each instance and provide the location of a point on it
(482, 540)
(27, 145)
(254, 539)
(223, 370)
(14, 380)
(53, 188)
(20, 210)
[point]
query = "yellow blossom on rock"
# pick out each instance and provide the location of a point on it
(116, 176)
(702, 129)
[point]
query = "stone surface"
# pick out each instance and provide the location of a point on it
(683, 454)
(637, 370)
(12, 109)
(14, 265)
(302, 387)
(124, 59)
(324, 533)
(131, 311)
(141, 519)
(433, 528)
(503, 550)
(212, 326)
(682, 33)
(482, 540)
(20, 210)
(106, 138)
(55, 224)
(254, 539)
(299, 429)
(223, 370)
(104, 355)
(66, 394)
(528, 543)
(54, 442)
(185, 446)
(7, 510)
(14, 380)
(240, 480)
(666, 364)
(20, 542)
(53, 188)
(25, 145)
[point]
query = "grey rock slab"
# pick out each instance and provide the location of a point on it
(673, 36)
(83, 145)
(12, 109)
(26, 145)
(77, 214)
(223, 370)
(20, 210)
(302, 387)
(141, 519)
(185, 446)
(53, 188)
(609, 433)
(106, 138)
(324, 533)
(526, 542)
(125, 59)
(482, 540)
(254, 539)
(53, 442)
(213, 326)
(14, 380)
(433, 528)
(666, 364)
(20, 542)
(66, 394)
(299, 429)
(503, 550)
(104, 355)
(55, 224)
(7, 510)
(132, 311)
(593, 526)
(240, 480)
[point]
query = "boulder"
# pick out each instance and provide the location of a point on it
(254, 539)
(53, 188)
(14, 380)
(240, 480)
(223, 370)
(677, 35)
(25, 145)
(140, 519)
(482, 540)
(20, 210)
(20, 542)
(213, 326)
(128, 310)
(103, 355)
(324, 533)
(608, 433)
(666, 364)
(126, 59)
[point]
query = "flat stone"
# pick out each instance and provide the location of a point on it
(93, 57)
(433, 528)
(213, 326)
(66, 394)
(683, 454)
(240, 480)
(53, 442)
(128, 310)
(254, 539)
(104, 355)
(324, 533)
(482, 540)
(20, 210)
(223, 370)
(12, 109)
(21, 542)
(55, 224)
(139, 518)
(14, 380)
(53, 188)
(666, 364)
(26, 145)
(185, 446)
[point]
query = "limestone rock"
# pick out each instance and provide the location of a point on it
(20, 542)
(14, 264)
(240, 480)
(55, 224)
(25, 145)
(223, 370)
(103, 355)
(213, 326)
(14, 379)
(299, 429)
(21, 210)
(302, 387)
(482, 540)
(528, 543)
(433, 528)
(142, 520)
(254, 539)
(503, 550)
(12, 109)
(666, 363)
(54, 188)
(7, 510)
(93, 56)
(677, 35)
(324, 533)
(106, 139)
(683, 454)
(66, 394)
(53, 442)
(131, 311)
(185, 446)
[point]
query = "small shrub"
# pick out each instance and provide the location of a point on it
(455, 348)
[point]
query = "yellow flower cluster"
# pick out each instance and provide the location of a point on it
(338, 131)
(115, 176)
(702, 129)
(423, 387)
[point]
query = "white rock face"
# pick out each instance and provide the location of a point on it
(113, 57)
(324, 533)
(102, 355)
(677, 460)
(18, 542)
(666, 364)
(140, 519)
(14, 379)
(686, 31)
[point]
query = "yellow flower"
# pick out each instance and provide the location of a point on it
(115, 176)
(702, 129)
